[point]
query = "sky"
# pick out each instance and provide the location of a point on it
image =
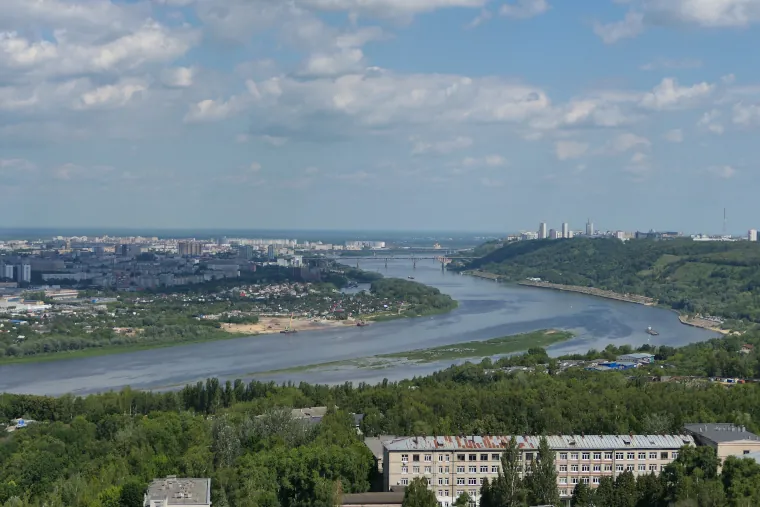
(468, 115)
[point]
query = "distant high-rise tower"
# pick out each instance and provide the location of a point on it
(589, 227)
(271, 252)
(752, 235)
(542, 231)
(565, 230)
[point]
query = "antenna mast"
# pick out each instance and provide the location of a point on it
(724, 221)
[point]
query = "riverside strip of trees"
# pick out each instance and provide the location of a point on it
(709, 277)
(87, 451)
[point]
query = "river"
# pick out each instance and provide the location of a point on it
(486, 310)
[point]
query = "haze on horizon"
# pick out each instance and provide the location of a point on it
(465, 115)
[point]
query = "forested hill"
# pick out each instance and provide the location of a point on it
(719, 278)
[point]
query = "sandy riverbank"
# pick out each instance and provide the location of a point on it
(704, 324)
(268, 325)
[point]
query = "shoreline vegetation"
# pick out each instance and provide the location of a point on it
(710, 285)
(475, 350)
(220, 311)
(591, 291)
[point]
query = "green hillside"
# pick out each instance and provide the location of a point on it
(717, 278)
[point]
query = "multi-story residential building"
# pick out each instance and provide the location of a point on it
(453, 465)
(189, 248)
(589, 228)
(566, 230)
(542, 234)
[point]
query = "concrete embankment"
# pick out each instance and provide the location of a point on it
(482, 274)
(628, 298)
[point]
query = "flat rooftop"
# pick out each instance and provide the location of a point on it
(181, 491)
(720, 432)
(497, 443)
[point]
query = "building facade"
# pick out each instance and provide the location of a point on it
(565, 230)
(727, 439)
(456, 465)
(542, 234)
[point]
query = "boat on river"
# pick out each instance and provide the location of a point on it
(652, 331)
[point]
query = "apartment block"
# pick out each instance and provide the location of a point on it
(453, 465)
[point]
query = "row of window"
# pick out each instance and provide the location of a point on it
(562, 456)
(484, 469)
(447, 457)
(608, 468)
(445, 469)
(444, 481)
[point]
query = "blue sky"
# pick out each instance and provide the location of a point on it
(380, 114)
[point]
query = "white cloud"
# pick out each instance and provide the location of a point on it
(723, 171)
(701, 13)
(115, 95)
(486, 161)
(524, 9)
(566, 150)
(390, 8)
(440, 147)
(311, 170)
(338, 63)
(674, 136)
(274, 140)
(65, 56)
(11, 167)
(214, 110)
(631, 26)
(639, 158)
(481, 18)
(746, 114)
(706, 13)
(709, 122)
(254, 167)
(178, 77)
(627, 141)
(669, 95)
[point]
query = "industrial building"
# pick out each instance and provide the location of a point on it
(178, 492)
(456, 465)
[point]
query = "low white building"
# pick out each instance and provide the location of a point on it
(178, 492)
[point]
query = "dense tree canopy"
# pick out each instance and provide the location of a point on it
(712, 277)
(84, 451)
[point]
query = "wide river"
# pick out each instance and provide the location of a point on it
(486, 310)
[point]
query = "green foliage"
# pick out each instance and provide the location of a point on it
(100, 450)
(132, 494)
(717, 278)
(423, 299)
(542, 482)
(463, 500)
(417, 494)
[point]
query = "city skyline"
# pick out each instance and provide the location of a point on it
(196, 113)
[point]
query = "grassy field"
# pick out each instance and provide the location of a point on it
(114, 349)
(467, 350)
(487, 348)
